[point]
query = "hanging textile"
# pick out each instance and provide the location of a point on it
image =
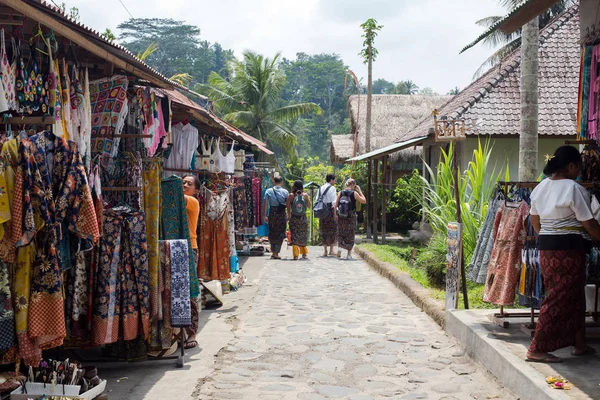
(109, 110)
(152, 173)
(214, 255)
(161, 131)
(584, 92)
(249, 201)
(160, 330)
(7, 318)
(240, 209)
(174, 223)
(122, 304)
(53, 187)
(185, 143)
(233, 258)
(257, 195)
(181, 311)
(478, 266)
(505, 261)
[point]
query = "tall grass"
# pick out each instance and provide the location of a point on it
(475, 189)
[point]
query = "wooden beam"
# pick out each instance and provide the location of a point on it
(375, 195)
(526, 14)
(384, 179)
(79, 39)
(367, 211)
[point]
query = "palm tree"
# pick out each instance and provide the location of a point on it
(251, 100)
(512, 41)
(406, 87)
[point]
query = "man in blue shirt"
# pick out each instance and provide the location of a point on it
(275, 202)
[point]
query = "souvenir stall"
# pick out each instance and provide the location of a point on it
(95, 244)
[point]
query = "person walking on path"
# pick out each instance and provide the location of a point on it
(328, 226)
(297, 204)
(191, 188)
(562, 215)
(276, 201)
(345, 215)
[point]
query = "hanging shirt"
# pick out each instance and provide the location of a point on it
(185, 143)
(561, 205)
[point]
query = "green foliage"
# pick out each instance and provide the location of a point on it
(475, 189)
(370, 29)
(109, 35)
(72, 12)
(402, 208)
(180, 48)
(427, 91)
(406, 87)
(251, 100)
(381, 86)
(358, 172)
(317, 79)
(454, 91)
(433, 261)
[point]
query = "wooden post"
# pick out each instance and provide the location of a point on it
(375, 194)
(367, 209)
(384, 179)
(456, 174)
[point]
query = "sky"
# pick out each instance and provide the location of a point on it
(420, 39)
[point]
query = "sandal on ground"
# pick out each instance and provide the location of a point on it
(339, 254)
(547, 359)
(275, 258)
(587, 352)
(190, 344)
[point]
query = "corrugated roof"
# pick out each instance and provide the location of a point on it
(393, 148)
(494, 99)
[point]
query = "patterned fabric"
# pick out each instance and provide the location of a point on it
(277, 225)
(214, 238)
(181, 314)
(257, 195)
(29, 83)
(174, 223)
(584, 92)
(485, 243)
(328, 227)
(152, 174)
(346, 231)
(121, 309)
(160, 330)
(108, 99)
(7, 317)
(65, 100)
(562, 314)
(52, 184)
(7, 86)
(231, 228)
(249, 200)
(239, 208)
(80, 297)
(299, 230)
(505, 261)
(192, 330)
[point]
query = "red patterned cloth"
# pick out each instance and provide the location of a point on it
(505, 262)
(562, 314)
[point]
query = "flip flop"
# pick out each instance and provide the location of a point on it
(190, 344)
(587, 352)
(549, 359)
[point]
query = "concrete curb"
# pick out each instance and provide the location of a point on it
(413, 289)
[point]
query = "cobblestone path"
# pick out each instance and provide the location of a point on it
(329, 328)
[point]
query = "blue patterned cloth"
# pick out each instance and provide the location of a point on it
(181, 308)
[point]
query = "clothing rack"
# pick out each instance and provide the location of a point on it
(123, 189)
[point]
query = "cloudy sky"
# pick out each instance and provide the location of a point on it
(420, 39)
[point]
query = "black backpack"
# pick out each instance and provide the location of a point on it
(321, 210)
(345, 205)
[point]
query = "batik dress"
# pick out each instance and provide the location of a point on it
(53, 188)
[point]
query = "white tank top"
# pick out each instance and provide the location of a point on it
(224, 163)
(206, 159)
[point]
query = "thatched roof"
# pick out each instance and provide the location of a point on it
(393, 115)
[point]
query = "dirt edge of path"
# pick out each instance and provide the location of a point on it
(413, 289)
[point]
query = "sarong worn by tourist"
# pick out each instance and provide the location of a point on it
(346, 231)
(562, 314)
(328, 227)
(277, 225)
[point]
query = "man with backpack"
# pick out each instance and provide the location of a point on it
(323, 210)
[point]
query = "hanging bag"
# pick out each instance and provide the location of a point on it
(299, 205)
(345, 206)
(321, 210)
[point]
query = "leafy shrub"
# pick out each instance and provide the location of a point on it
(402, 209)
(433, 260)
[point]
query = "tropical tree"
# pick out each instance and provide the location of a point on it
(251, 100)
(454, 91)
(369, 54)
(406, 87)
(381, 86)
(511, 42)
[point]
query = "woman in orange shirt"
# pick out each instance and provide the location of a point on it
(191, 188)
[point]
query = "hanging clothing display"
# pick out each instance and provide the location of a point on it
(152, 200)
(174, 223)
(504, 266)
(185, 143)
(224, 163)
(214, 256)
(108, 99)
(478, 266)
(181, 313)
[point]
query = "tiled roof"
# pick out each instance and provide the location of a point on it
(494, 99)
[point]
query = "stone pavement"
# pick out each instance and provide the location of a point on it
(329, 328)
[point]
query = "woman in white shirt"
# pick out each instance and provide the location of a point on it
(562, 215)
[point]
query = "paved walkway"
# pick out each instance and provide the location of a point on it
(329, 328)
